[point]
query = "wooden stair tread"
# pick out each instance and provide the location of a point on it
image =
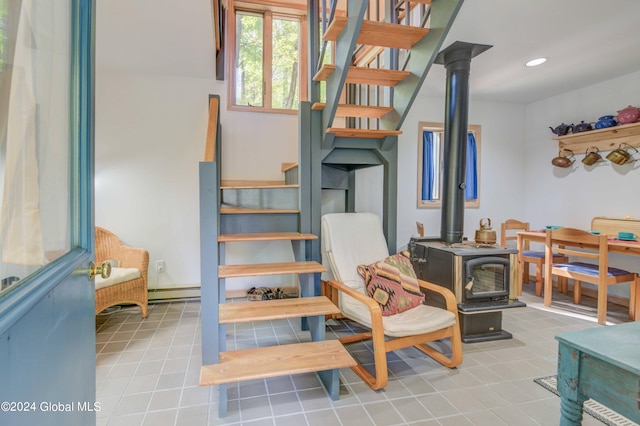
(244, 210)
(362, 133)
(285, 167)
(254, 184)
(266, 236)
(383, 34)
(360, 111)
(274, 361)
(361, 75)
(265, 310)
(262, 269)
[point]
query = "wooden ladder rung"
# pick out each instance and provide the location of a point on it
(274, 361)
(264, 310)
(358, 111)
(262, 269)
(266, 236)
(362, 133)
(362, 75)
(382, 34)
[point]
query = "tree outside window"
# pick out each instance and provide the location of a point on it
(266, 61)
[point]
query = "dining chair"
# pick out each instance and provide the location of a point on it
(508, 232)
(590, 263)
(375, 290)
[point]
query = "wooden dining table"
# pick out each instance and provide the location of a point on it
(615, 246)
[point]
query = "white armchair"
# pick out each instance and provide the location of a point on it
(352, 239)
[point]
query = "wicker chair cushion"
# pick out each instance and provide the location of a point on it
(118, 275)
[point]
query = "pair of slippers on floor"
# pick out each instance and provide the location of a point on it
(264, 293)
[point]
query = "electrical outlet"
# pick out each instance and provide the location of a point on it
(159, 266)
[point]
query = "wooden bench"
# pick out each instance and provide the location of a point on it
(611, 226)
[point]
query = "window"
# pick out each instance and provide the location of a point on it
(430, 164)
(35, 136)
(268, 58)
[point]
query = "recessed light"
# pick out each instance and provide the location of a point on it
(536, 62)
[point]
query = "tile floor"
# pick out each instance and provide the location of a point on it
(147, 374)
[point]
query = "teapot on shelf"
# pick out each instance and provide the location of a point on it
(582, 127)
(562, 129)
(628, 115)
(606, 121)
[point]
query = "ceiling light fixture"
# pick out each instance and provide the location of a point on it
(536, 62)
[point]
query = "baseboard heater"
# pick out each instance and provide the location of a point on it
(177, 293)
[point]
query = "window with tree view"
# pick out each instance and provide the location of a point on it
(266, 60)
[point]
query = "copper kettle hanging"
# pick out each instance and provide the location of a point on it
(485, 235)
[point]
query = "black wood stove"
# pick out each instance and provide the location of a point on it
(482, 277)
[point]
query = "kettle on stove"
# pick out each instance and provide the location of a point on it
(485, 235)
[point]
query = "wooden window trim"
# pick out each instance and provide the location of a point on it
(268, 8)
(476, 129)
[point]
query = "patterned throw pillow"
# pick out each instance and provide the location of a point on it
(392, 283)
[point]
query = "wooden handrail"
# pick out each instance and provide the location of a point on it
(212, 130)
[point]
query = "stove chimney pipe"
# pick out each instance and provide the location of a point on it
(457, 60)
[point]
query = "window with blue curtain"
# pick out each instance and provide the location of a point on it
(471, 171)
(430, 166)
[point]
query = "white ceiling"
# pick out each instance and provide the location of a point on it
(585, 41)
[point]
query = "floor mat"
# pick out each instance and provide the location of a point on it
(591, 407)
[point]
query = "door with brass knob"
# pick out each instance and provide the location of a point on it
(103, 270)
(47, 302)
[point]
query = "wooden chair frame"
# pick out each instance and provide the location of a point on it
(516, 225)
(583, 244)
(382, 345)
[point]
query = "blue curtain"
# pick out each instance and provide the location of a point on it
(428, 169)
(471, 178)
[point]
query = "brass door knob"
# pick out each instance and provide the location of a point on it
(103, 270)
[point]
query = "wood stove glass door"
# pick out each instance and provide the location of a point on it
(486, 278)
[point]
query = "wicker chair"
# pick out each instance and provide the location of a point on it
(128, 281)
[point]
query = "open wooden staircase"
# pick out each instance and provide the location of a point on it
(244, 212)
(329, 155)
(367, 60)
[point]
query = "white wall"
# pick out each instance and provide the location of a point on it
(150, 137)
(501, 167)
(571, 197)
(154, 73)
